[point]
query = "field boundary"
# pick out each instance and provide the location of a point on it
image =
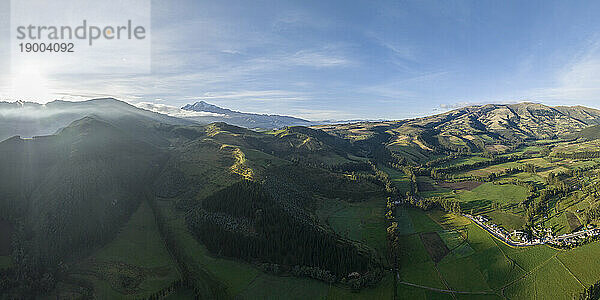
(569, 270)
(445, 290)
(529, 273)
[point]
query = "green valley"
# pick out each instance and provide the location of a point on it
(142, 206)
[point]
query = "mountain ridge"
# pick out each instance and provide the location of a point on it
(30, 119)
(492, 127)
(248, 120)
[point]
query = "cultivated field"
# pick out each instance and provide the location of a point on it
(444, 255)
(482, 266)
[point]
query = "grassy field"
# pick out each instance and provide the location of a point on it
(384, 290)
(550, 281)
(400, 179)
(409, 292)
(275, 287)
(583, 262)
(576, 147)
(405, 225)
(491, 169)
(473, 260)
(233, 275)
(362, 221)
(411, 152)
(243, 281)
(464, 161)
(422, 222)
(488, 265)
(135, 264)
(506, 219)
(481, 198)
(535, 179)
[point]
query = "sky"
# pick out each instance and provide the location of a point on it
(347, 59)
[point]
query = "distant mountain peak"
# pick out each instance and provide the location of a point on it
(248, 120)
(207, 107)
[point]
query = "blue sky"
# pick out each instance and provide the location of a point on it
(359, 59)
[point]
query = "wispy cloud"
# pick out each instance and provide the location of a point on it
(402, 88)
(319, 58)
(268, 94)
(577, 82)
(320, 114)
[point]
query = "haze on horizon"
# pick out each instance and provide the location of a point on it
(342, 60)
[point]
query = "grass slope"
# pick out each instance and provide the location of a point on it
(137, 254)
(243, 281)
(362, 221)
(490, 266)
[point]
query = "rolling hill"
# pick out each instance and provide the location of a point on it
(27, 119)
(71, 192)
(590, 133)
(220, 211)
(491, 127)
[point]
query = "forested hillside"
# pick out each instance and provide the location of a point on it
(70, 192)
(243, 195)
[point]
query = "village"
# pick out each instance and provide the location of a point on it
(539, 234)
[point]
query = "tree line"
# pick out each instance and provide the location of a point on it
(191, 275)
(578, 155)
(274, 234)
(480, 164)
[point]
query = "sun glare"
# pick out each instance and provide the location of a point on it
(30, 84)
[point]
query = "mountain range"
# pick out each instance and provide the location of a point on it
(28, 119)
(247, 120)
(492, 127)
(80, 171)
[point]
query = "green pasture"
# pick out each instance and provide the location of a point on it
(490, 266)
(362, 221)
(138, 254)
(484, 195)
(242, 280)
